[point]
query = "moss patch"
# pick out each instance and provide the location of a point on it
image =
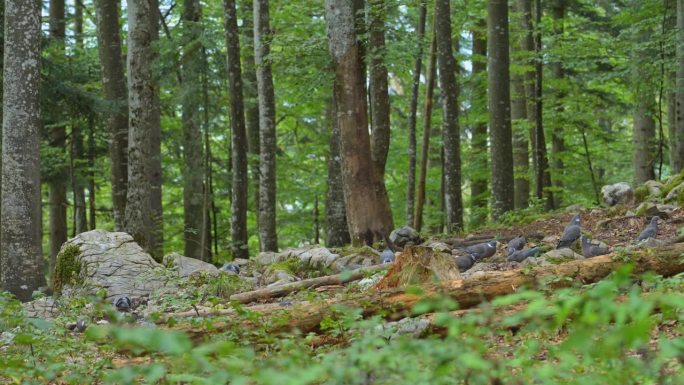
(641, 193)
(67, 268)
(676, 181)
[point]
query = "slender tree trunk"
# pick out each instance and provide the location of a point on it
(337, 231)
(644, 128)
(677, 148)
(57, 184)
(92, 191)
(268, 239)
(524, 7)
(411, 180)
(480, 165)
(521, 156)
(78, 176)
(558, 74)
(139, 214)
(366, 210)
(21, 264)
(114, 86)
(450, 127)
(500, 107)
(251, 100)
(208, 204)
(193, 197)
(155, 170)
(427, 117)
(238, 136)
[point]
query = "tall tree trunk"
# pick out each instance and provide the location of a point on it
(524, 7)
(644, 127)
(193, 197)
(558, 74)
(57, 185)
(366, 210)
(379, 98)
(337, 231)
(268, 239)
(21, 261)
(413, 112)
(677, 148)
(500, 107)
(480, 164)
(427, 118)
(114, 86)
(139, 214)
(155, 170)
(238, 136)
(78, 176)
(521, 156)
(251, 100)
(450, 128)
(92, 190)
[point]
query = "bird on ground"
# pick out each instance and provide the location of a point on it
(482, 250)
(123, 304)
(231, 268)
(571, 233)
(516, 244)
(465, 262)
(651, 231)
(590, 251)
(387, 256)
(521, 255)
(81, 325)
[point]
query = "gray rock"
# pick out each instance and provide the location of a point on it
(651, 209)
(404, 235)
(277, 277)
(438, 246)
(45, 308)
(189, 266)
(618, 193)
(266, 258)
(654, 187)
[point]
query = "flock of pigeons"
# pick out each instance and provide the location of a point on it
(517, 252)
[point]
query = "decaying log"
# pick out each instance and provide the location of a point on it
(397, 303)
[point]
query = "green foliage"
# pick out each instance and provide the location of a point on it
(67, 268)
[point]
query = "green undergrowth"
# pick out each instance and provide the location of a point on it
(623, 330)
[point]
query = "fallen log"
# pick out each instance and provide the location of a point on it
(465, 242)
(470, 292)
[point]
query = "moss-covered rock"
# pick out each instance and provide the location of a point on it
(672, 183)
(641, 193)
(67, 268)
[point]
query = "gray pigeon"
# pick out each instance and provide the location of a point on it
(123, 304)
(571, 233)
(231, 268)
(651, 231)
(590, 251)
(516, 244)
(465, 262)
(482, 250)
(81, 325)
(521, 255)
(387, 256)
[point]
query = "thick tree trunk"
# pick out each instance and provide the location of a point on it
(500, 107)
(413, 112)
(337, 230)
(644, 131)
(557, 132)
(268, 238)
(238, 136)
(450, 127)
(21, 261)
(427, 118)
(57, 185)
(251, 100)
(114, 87)
(367, 211)
(139, 214)
(480, 165)
(193, 157)
(155, 170)
(677, 148)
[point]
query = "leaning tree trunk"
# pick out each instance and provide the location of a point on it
(21, 261)
(193, 158)
(500, 107)
(114, 87)
(238, 136)
(366, 214)
(268, 238)
(450, 131)
(139, 212)
(337, 231)
(413, 112)
(480, 164)
(677, 148)
(155, 170)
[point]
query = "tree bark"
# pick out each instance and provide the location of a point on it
(337, 231)
(557, 132)
(251, 100)
(427, 118)
(268, 238)
(677, 149)
(413, 112)
(521, 160)
(238, 136)
(139, 221)
(367, 213)
(450, 126)
(157, 233)
(500, 107)
(480, 165)
(114, 87)
(78, 176)
(21, 261)
(644, 128)
(193, 157)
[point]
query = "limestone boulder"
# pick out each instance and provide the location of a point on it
(187, 267)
